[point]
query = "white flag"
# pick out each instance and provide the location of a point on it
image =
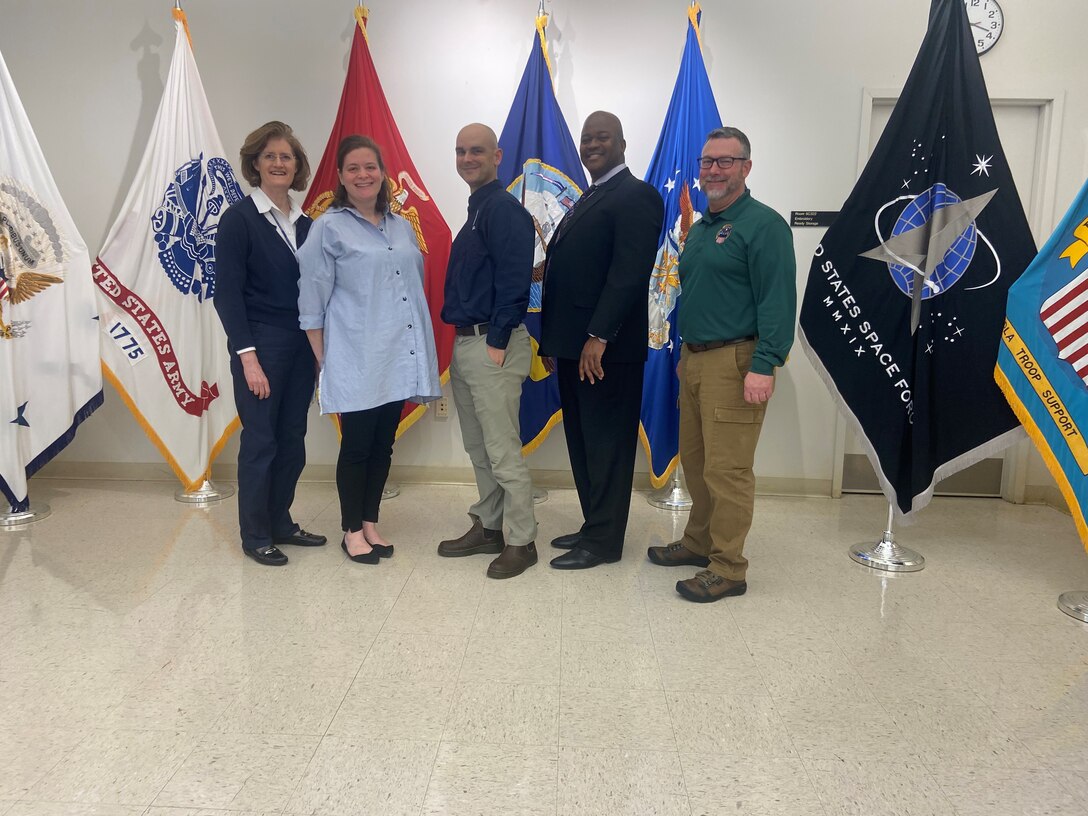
(50, 379)
(163, 345)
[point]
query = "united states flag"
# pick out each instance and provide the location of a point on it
(3, 286)
(1065, 315)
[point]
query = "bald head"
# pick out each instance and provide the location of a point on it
(478, 155)
(602, 146)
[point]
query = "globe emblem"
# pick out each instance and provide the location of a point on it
(955, 261)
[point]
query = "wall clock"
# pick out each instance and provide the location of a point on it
(987, 22)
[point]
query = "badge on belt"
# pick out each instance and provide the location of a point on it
(723, 233)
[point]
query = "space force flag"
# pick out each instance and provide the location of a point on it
(541, 169)
(1042, 360)
(163, 347)
(906, 294)
(364, 110)
(50, 380)
(674, 172)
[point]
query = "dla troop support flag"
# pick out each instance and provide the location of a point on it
(674, 172)
(163, 346)
(541, 169)
(364, 110)
(1042, 361)
(906, 294)
(50, 379)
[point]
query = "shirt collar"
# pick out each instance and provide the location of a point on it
(488, 190)
(730, 211)
(264, 205)
(611, 174)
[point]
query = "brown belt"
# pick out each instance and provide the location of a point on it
(717, 344)
(478, 329)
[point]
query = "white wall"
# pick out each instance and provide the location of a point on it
(789, 72)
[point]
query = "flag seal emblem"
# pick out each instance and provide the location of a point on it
(723, 234)
(32, 254)
(186, 222)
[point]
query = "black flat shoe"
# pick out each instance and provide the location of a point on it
(566, 542)
(371, 557)
(269, 556)
(383, 550)
(578, 559)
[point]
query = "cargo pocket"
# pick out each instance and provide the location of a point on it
(733, 437)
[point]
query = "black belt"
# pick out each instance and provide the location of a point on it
(477, 329)
(717, 344)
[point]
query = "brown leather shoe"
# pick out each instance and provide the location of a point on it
(676, 555)
(706, 586)
(477, 540)
(513, 561)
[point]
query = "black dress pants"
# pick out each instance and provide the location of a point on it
(366, 451)
(600, 422)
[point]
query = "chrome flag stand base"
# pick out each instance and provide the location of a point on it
(540, 495)
(886, 554)
(673, 496)
(1074, 604)
(207, 493)
(391, 491)
(15, 519)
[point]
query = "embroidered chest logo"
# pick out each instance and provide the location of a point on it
(723, 234)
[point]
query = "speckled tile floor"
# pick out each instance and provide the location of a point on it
(146, 667)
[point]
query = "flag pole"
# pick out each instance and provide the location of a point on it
(18, 519)
(1074, 604)
(208, 493)
(886, 554)
(674, 497)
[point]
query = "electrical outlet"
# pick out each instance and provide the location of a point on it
(441, 408)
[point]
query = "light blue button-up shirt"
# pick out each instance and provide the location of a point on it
(363, 285)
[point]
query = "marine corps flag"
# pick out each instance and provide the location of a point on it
(541, 169)
(906, 293)
(50, 380)
(364, 110)
(163, 347)
(1042, 361)
(674, 171)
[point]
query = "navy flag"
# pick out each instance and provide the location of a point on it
(906, 294)
(674, 172)
(541, 169)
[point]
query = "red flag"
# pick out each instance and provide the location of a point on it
(364, 110)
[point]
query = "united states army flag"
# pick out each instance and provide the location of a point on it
(163, 346)
(50, 380)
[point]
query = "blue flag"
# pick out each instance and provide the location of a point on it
(674, 172)
(1042, 363)
(541, 169)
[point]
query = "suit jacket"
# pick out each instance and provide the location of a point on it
(256, 273)
(597, 272)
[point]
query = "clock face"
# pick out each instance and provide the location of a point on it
(987, 23)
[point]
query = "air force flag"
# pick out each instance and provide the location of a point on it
(50, 380)
(674, 172)
(906, 293)
(1042, 361)
(540, 167)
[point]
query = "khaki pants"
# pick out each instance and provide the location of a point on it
(488, 399)
(718, 436)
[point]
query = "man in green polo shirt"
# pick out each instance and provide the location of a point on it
(737, 313)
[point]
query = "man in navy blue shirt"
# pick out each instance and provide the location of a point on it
(487, 295)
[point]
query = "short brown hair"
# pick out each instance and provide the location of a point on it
(732, 133)
(255, 144)
(348, 144)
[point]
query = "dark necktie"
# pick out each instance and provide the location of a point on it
(590, 190)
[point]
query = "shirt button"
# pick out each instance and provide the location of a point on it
(409, 325)
(390, 249)
(411, 352)
(398, 271)
(404, 298)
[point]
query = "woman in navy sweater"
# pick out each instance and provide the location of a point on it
(270, 359)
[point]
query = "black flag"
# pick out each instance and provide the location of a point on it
(906, 294)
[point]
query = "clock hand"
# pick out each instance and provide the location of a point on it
(980, 27)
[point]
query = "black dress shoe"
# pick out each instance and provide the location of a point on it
(301, 539)
(371, 557)
(269, 556)
(566, 542)
(578, 559)
(383, 550)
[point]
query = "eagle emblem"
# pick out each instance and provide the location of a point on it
(32, 253)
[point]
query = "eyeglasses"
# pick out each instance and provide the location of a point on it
(724, 162)
(286, 158)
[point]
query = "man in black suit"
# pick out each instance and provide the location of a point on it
(594, 318)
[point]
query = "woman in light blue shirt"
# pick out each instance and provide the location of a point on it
(362, 305)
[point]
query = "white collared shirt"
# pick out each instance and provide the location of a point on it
(611, 174)
(284, 226)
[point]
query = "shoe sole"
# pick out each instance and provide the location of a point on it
(687, 562)
(603, 561)
(265, 563)
(483, 549)
(499, 575)
(730, 593)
